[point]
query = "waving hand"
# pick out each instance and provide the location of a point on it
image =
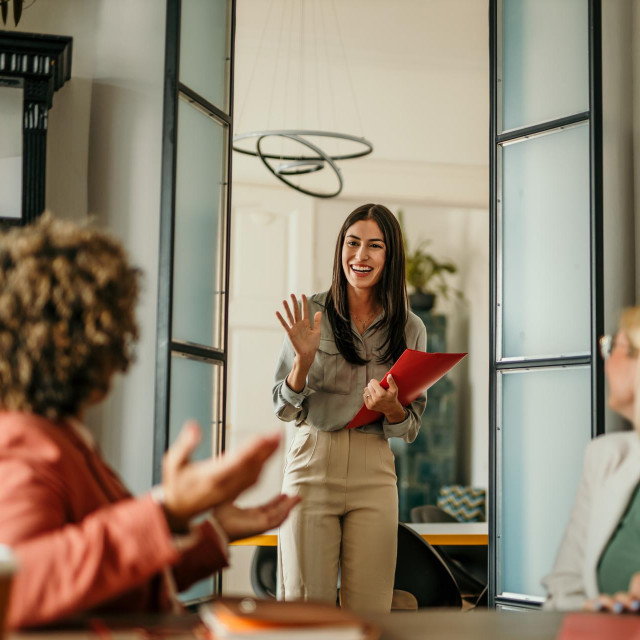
(304, 337)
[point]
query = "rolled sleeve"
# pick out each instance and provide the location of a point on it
(294, 398)
(409, 427)
(288, 404)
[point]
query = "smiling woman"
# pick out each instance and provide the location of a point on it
(327, 368)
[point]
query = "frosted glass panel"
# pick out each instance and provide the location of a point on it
(197, 241)
(203, 49)
(545, 60)
(11, 99)
(545, 245)
(545, 426)
(194, 395)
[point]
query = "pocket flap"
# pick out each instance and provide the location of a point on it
(328, 345)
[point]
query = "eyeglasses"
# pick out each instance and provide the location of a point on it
(608, 342)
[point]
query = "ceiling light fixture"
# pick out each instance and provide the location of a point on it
(295, 155)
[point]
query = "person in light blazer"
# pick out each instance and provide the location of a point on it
(338, 345)
(84, 544)
(598, 563)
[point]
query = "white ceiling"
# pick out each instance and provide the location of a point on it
(419, 70)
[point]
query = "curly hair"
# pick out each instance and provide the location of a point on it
(67, 321)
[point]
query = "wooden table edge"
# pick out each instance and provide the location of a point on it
(455, 539)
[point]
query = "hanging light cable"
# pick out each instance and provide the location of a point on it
(310, 155)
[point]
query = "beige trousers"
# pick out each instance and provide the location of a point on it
(348, 518)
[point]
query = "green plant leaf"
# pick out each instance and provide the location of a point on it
(17, 10)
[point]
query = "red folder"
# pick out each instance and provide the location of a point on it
(414, 372)
(596, 626)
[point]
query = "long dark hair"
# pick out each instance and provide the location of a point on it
(391, 289)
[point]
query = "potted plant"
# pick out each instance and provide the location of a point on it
(426, 275)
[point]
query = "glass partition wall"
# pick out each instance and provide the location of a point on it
(191, 355)
(546, 279)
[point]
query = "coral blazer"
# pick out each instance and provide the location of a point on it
(83, 542)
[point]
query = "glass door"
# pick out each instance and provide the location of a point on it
(546, 279)
(191, 351)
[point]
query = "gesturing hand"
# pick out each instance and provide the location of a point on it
(618, 602)
(191, 488)
(243, 523)
(304, 338)
(376, 398)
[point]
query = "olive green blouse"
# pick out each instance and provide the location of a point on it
(621, 557)
(334, 388)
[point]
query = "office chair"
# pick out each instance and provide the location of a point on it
(264, 571)
(421, 571)
(468, 564)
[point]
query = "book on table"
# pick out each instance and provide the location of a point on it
(242, 618)
(413, 372)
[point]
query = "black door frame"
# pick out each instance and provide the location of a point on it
(594, 118)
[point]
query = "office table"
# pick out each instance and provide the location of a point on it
(483, 624)
(429, 624)
(436, 533)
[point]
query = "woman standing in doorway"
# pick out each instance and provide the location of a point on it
(339, 344)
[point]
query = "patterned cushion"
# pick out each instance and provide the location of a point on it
(466, 504)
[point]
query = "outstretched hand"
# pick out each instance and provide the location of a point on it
(304, 337)
(242, 523)
(191, 488)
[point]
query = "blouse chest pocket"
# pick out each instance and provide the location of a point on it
(330, 372)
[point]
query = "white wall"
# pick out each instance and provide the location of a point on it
(125, 146)
(103, 158)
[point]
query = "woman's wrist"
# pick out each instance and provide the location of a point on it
(303, 362)
(176, 525)
(297, 378)
(399, 414)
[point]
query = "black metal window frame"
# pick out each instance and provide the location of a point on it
(39, 64)
(499, 365)
(166, 346)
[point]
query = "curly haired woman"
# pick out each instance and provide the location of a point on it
(83, 542)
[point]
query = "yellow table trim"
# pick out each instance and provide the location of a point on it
(468, 539)
(266, 540)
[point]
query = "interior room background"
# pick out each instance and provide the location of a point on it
(418, 90)
(420, 75)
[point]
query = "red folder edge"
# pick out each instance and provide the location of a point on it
(414, 372)
(595, 626)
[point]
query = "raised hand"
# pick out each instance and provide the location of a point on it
(243, 523)
(304, 337)
(191, 488)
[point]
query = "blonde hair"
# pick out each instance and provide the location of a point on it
(630, 325)
(67, 323)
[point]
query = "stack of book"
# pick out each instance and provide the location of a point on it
(243, 618)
